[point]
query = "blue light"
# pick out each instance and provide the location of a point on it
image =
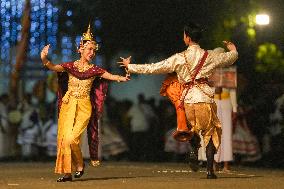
(49, 12)
(65, 59)
(6, 45)
(32, 39)
(33, 51)
(33, 26)
(49, 24)
(8, 4)
(19, 37)
(7, 24)
(77, 40)
(64, 39)
(14, 11)
(42, 6)
(3, 10)
(33, 15)
(36, 34)
(3, 4)
(69, 13)
(42, 3)
(98, 24)
(69, 45)
(13, 38)
(55, 9)
(42, 44)
(42, 27)
(36, 51)
(48, 5)
(36, 8)
(42, 18)
(68, 23)
(20, 6)
(65, 51)
(7, 34)
(7, 17)
(37, 14)
(50, 39)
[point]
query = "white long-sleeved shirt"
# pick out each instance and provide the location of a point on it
(184, 65)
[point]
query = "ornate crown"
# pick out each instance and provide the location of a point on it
(88, 36)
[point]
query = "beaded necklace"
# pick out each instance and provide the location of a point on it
(82, 68)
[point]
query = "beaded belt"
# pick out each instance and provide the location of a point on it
(79, 95)
(196, 81)
(74, 94)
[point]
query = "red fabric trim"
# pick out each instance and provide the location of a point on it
(191, 83)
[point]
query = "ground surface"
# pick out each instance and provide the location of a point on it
(138, 175)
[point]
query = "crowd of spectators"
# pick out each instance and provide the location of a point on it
(129, 131)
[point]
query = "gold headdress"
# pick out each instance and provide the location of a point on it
(88, 38)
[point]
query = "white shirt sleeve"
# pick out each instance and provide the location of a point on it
(165, 66)
(225, 59)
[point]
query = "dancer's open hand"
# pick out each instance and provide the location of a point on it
(126, 78)
(44, 52)
(230, 46)
(125, 61)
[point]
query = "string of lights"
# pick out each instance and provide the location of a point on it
(44, 30)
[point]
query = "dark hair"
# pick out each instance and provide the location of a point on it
(193, 31)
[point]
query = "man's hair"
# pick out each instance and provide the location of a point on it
(193, 31)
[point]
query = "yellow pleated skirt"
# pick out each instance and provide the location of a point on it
(203, 117)
(73, 120)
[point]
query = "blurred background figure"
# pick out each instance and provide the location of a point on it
(139, 125)
(245, 144)
(15, 117)
(4, 127)
(226, 101)
(29, 129)
(51, 139)
(113, 145)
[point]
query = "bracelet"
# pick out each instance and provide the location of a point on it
(45, 64)
(118, 79)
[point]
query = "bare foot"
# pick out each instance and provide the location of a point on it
(226, 170)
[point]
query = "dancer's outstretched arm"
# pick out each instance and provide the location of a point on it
(47, 63)
(165, 66)
(117, 78)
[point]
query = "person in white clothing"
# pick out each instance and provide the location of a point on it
(139, 130)
(29, 133)
(226, 110)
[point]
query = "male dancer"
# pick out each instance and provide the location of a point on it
(197, 96)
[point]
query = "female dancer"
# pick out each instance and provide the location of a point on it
(80, 97)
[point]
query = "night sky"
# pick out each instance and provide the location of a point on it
(148, 28)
